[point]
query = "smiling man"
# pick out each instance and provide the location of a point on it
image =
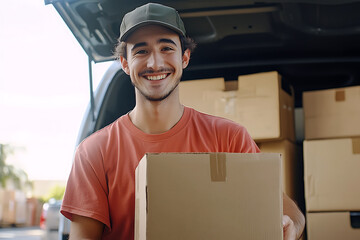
(100, 195)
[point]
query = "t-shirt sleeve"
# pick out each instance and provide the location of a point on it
(242, 142)
(86, 191)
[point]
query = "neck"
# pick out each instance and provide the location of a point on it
(155, 117)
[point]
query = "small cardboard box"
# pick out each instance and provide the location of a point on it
(256, 101)
(333, 226)
(208, 196)
(293, 183)
(332, 113)
(331, 174)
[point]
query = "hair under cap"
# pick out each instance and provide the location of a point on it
(151, 13)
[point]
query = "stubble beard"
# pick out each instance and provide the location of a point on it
(157, 99)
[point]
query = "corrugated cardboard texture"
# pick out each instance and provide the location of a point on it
(331, 174)
(292, 176)
(332, 113)
(259, 103)
(184, 203)
(331, 226)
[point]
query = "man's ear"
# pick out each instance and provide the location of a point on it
(186, 58)
(124, 65)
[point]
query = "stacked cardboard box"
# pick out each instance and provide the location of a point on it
(332, 163)
(208, 196)
(259, 103)
(12, 207)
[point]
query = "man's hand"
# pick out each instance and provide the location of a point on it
(293, 220)
(289, 229)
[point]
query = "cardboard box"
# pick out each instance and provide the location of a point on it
(256, 101)
(332, 226)
(208, 196)
(20, 208)
(332, 113)
(331, 174)
(8, 207)
(292, 169)
(1, 204)
(13, 207)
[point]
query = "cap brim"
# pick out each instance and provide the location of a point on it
(149, 22)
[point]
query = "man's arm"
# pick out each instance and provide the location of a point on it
(85, 228)
(293, 219)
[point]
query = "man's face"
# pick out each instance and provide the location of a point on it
(154, 61)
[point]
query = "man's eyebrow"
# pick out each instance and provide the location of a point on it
(166, 40)
(140, 44)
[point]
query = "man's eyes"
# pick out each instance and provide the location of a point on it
(143, 51)
(140, 52)
(167, 49)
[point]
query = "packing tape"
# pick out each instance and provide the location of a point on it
(218, 167)
(231, 85)
(340, 96)
(356, 145)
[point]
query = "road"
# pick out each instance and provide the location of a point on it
(28, 233)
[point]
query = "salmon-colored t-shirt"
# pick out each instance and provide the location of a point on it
(101, 184)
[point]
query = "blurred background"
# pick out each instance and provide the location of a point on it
(44, 92)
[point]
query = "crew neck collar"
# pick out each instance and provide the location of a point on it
(161, 136)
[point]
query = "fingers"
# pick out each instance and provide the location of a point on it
(289, 230)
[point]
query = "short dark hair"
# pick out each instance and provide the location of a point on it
(186, 43)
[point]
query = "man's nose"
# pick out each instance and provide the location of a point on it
(155, 61)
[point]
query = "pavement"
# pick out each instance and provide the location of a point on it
(22, 233)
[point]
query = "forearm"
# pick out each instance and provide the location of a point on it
(291, 209)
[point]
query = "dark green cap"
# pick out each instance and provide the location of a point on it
(151, 13)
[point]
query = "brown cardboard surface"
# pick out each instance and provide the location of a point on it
(331, 175)
(8, 207)
(291, 166)
(258, 103)
(332, 113)
(2, 192)
(331, 226)
(176, 197)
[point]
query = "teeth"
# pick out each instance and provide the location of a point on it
(158, 77)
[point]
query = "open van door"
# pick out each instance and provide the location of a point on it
(312, 44)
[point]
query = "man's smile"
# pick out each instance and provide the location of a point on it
(156, 77)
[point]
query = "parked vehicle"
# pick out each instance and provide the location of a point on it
(313, 44)
(49, 220)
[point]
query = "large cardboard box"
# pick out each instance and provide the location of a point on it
(256, 101)
(331, 174)
(332, 113)
(333, 226)
(292, 169)
(208, 196)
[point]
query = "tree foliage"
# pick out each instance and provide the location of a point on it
(9, 172)
(56, 192)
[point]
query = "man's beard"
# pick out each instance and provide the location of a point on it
(157, 99)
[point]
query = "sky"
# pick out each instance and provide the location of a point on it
(44, 88)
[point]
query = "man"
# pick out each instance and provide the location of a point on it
(153, 50)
